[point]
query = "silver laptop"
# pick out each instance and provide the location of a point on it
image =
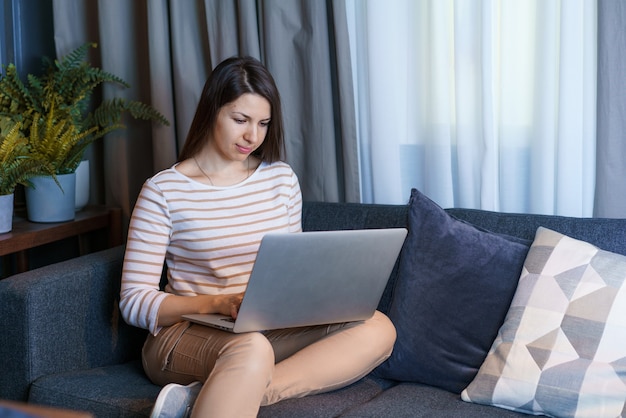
(313, 278)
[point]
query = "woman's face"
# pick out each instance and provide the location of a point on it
(240, 127)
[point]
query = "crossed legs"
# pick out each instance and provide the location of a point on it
(241, 372)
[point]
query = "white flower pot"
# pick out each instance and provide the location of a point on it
(46, 202)
(82, 185)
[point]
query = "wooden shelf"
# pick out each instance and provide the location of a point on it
(26, 235)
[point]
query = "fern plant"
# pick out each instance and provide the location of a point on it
(17, 166)
(62, 96)
(56, 142)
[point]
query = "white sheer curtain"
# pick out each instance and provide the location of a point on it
(478, 103)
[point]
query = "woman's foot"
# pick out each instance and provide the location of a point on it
(176, 401)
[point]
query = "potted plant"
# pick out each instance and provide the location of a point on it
(56, 113)
(16, 167)
(56, 143)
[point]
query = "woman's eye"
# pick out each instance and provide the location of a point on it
(265, 124)
(240, 121)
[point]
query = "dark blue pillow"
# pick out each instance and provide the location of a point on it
(454, 287)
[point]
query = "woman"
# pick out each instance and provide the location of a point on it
(205, 218)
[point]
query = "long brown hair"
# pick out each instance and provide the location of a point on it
(227, 82)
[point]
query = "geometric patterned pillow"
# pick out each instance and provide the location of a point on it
(561, 350)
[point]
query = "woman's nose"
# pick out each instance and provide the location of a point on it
(252, 133)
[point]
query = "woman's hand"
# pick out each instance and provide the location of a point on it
(233, 302)
(173, 307)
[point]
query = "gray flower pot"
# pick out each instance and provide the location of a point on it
(6, 213)
(46, 202)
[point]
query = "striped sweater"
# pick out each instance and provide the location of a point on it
(208, 236)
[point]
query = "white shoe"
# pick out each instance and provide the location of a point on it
(175, 401)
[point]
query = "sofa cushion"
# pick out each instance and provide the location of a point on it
(120, 390)
(454, 287)
(561, 348)
(123, 390)
(415, 400)
(605, 233)
(329, 404)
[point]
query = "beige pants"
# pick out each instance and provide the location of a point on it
(241, 372)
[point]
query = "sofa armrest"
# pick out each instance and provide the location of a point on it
(63, 317)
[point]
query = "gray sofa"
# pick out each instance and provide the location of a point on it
(64, 344)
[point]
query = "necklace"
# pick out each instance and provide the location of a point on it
(209, 177)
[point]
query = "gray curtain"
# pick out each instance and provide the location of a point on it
(610, 200)
(166, 48)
